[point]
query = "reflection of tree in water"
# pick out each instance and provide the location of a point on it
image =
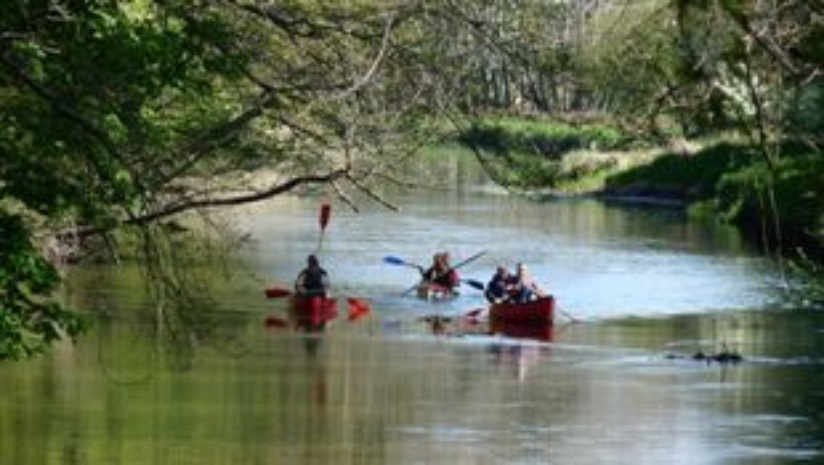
(181, 272)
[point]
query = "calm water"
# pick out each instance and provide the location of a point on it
(649, 287)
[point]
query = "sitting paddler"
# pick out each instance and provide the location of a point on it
(525, 287)
(313, 281)
(439, 278)
(499, 287)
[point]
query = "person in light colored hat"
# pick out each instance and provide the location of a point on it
(525, 288)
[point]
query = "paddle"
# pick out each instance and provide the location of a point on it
(572, 319)
(393, 260)
(277, 292)
(323, 221)
(473, 283)
(469, 260)
(358, 308)
(475, 312)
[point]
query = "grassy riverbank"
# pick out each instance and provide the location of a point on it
(780, 200)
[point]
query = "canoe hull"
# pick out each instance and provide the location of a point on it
(535, 312)
(436, 292)
(538, 332)
(312, 311)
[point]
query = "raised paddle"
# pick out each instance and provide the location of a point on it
(323, 220)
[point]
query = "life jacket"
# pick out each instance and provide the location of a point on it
(312, 280)
(448, 279)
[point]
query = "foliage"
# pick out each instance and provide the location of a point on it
(798, 186)
(687, 177)
(544, 138)
(30, 319)
(528, 153)
(111, 108)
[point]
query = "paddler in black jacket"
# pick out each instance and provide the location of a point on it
(313, 281)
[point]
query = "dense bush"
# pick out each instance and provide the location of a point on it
(545, 138)
(689, 177)
(797, 184)
(30, 319)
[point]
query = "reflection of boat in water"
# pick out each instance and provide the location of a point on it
(312, 312)
(448, 326)
(536, 331)
(538, 312)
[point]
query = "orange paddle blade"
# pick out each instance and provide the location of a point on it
(358, 308)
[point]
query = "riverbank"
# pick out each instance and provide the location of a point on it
(776, 200)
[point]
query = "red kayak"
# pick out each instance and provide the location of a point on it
(313, 311)
(435, 292)
(535, 312)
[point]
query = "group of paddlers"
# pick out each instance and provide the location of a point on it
(503, 286)
(512, 287)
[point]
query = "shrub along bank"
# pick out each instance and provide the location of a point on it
(782, 203)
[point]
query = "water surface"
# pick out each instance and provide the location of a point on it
(650, 287)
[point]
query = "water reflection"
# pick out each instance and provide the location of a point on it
(413, 382)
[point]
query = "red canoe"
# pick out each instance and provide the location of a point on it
(538, 332)
(312, 311)
(535, 312)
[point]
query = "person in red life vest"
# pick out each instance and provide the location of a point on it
(441, 274)
(313, 281)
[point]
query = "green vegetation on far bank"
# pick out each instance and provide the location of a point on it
(782, 203)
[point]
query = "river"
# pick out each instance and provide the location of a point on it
(642, 290)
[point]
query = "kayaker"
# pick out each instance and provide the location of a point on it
(499, 286)
(441, 273)
(313, 281)
(525, 288)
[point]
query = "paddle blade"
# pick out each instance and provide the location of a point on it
(277, 293)
(393, 260)
(474, 313)
(358, 308)
(474, 283)
(473, 317)
(325, 214)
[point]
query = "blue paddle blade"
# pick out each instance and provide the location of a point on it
(392, 260)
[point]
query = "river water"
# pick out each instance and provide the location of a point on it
(641, 289)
